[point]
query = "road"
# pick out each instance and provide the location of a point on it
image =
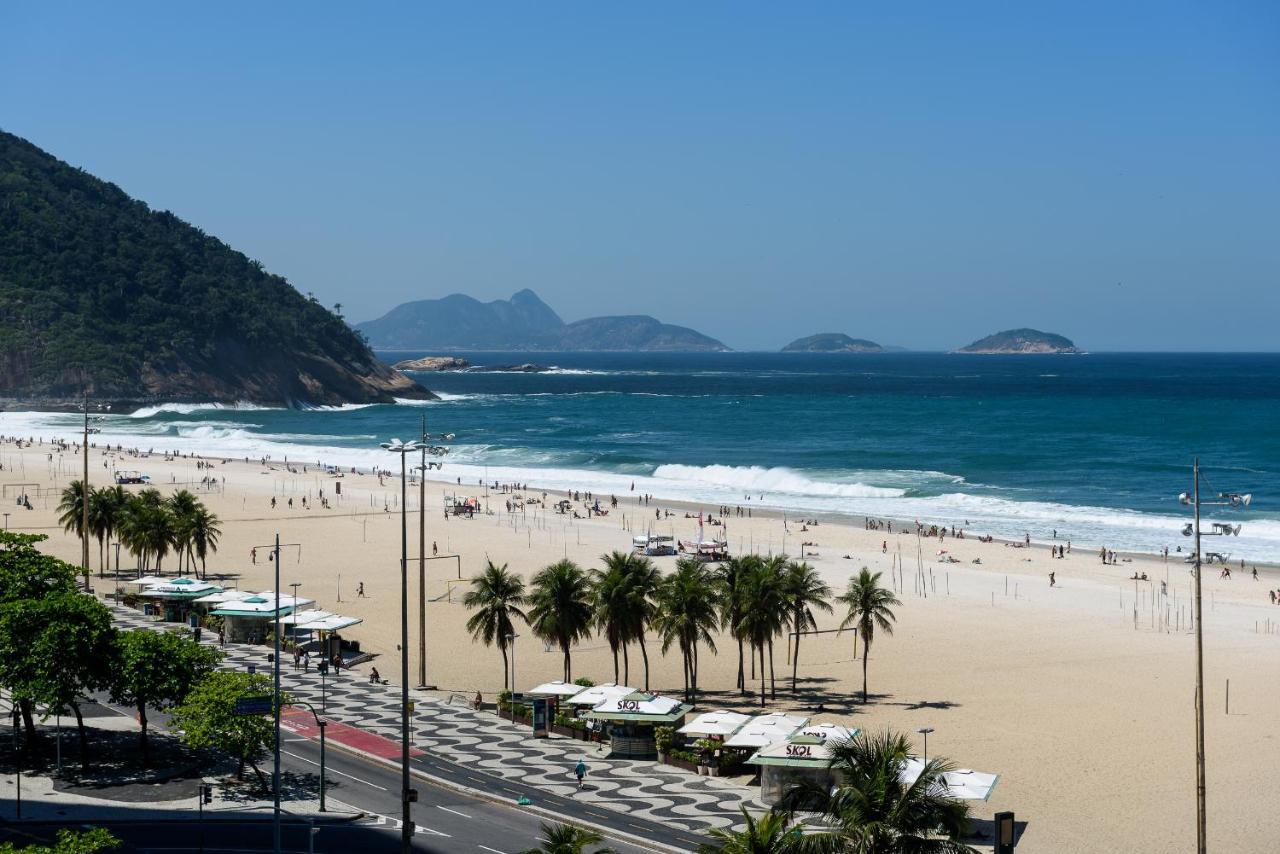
(445, 819)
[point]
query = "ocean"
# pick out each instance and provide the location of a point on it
(1094, 447)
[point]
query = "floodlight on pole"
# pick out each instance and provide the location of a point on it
(924, 731)
(425, 446)
(396, 446)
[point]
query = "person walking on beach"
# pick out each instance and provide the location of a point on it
(1053, 582)
(360, 590)
(580, 771)
(253, 555)
(374, 678)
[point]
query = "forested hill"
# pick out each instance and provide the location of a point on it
(99, 293)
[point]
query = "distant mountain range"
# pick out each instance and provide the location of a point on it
(524, 322)
(101, 295)
(1021, 341)
(832, 342)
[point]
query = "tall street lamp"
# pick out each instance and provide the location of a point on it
(407, 795)
(1192, 529)
(425, 446)
(84, 490)
(924, 731)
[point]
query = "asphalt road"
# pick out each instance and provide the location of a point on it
(445, 820)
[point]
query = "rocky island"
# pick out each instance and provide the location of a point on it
(431, 364)
(101, 295)
(1021, 341)
(832, 342)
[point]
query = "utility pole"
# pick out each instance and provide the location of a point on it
(275, 771)
(422, 561)
(84, 496)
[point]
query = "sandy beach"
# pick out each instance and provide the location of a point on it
(1079, 696)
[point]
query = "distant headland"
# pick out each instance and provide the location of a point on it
(522, 323)
(1021, 341)
(832, 342)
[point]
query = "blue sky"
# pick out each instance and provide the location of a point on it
(919, 174)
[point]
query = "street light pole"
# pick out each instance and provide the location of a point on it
(512, 699)
(422, 560)
(924, 731)
(275, 772)
(1225, 499)
(406, 826)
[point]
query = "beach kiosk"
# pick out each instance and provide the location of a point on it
(320, 626)
(718, 724)
(173, 599)
(250, 619)
(631, 720)
(804, 757)
(597, 694)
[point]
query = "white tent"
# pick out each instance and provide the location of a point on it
(556, 688)
(261, 605)
(764, 730)
(639, 703)
(597, 694)
(717, 723)
(148, 580)
(297, 618)
(963, 783)
(331, 623)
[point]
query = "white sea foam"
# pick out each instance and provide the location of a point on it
(188, 408)
(757, 479)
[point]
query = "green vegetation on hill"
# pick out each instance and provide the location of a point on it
(832, 342)
(1021, 341)
(99, 292)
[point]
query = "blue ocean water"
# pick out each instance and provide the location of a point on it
(1096, 447)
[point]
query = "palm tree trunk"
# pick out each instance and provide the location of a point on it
(684, 656)
(613, 647)
(795, 658)
(695, 672)
(626, 665)
(865, 656)
(506, 669)
(742, 683)
(645, 654)
(773, 681)
(567, 663)
(762, 674)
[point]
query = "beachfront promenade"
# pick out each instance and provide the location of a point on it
(481, 751)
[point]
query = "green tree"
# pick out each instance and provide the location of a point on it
(496, 596)
(803, 590)
(567, 839)
(871, 811)
(208, 719)
(157, 670)
(90, 841)
(869, 606)
(53, 650)
(560, 607)
(611, 603)
(182, 508)
(27, 576)
(771, 833)
(112, 504)
(687, 612)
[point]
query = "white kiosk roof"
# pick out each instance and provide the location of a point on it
(806, 747)
(597, 694)
(178, 588)
(556, 688)
(767, 729)
(224, 596)
(720, 722)
(963, 784)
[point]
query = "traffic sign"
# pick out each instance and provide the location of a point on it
(258, 705)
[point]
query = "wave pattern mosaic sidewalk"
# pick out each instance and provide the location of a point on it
(482, 741)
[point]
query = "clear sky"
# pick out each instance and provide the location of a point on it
(919, 174)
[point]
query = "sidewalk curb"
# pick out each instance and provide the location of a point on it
(446, 783)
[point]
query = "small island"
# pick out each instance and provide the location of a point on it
(433, 363)
(1021, 341)
(832, 342)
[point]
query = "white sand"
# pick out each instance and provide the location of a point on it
(1087, 717)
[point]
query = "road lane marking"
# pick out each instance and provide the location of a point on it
(455, 812)
(335, 771)
(487, 848)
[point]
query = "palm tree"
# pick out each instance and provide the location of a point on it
(567, 839)
(204, 532)
(872, 811)
(112, 503)
(763, 611)
(497, 595)
(560, 609)
(71, 514)
(729, 574)
(100, 521)
(645, 580)
(182, 507)
(869, 607)
(687, 612)
(611, 601)
(771, 833)
(803, 590)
